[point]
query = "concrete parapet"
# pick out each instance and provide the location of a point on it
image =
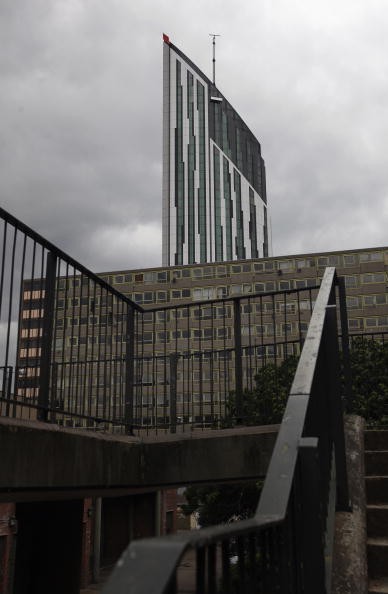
(39, 457)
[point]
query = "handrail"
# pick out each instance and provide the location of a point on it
(77, 352)
(300, 477)
(229, 298)
(50, 247)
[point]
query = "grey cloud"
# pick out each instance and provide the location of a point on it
(80, 117)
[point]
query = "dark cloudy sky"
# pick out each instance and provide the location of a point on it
(81, 116)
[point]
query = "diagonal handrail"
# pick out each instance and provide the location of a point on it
(311, 429)
(52, 248)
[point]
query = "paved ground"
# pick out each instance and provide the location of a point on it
(93, 588)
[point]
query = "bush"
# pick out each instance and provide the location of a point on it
(369, 368)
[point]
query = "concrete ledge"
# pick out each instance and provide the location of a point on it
(41, 457)
(350, 573)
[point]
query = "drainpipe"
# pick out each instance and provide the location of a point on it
(97, 540)
(158, 512)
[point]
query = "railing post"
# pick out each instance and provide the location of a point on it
(129, 370)
(238, 360)
(312, 541)
(7, 388)
(335, 402)
(173, 390)
(345, 344)
(47, 336)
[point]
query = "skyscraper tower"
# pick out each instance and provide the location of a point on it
(214, 193)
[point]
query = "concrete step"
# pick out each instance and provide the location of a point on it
(377, 557)
(376, 463)
(378, 586)
(376, 439)
(376, 489)
(377, 520)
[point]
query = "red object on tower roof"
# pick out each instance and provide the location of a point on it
(166, 38)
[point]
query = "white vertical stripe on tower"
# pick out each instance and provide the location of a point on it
(260, 224)
(234, 201)
(210, 187)
(222, 201)
(208, 183)
(173, 213)
(166, 261)
(245, 208)
(196, 173)
(185, 143)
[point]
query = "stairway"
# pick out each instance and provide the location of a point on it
(376, 483)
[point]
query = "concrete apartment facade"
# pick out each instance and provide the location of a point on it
(192, 315)
(364, 271)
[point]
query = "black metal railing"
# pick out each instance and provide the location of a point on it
(77, 352)
(287, 546)
(60, 360)
(195, 362)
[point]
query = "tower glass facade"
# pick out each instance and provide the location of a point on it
(214, 195)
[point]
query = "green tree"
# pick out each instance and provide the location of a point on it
(264, 405)
(220, 504)
(369, 369)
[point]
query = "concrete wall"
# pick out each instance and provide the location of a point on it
(38, 457)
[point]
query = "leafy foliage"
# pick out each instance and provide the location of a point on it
(220, 504)
(369, 368)
(265, 404)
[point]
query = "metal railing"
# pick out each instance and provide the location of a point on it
(77, 352)
(287, 546)
(194, 360)
(52, 364)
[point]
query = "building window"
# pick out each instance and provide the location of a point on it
(163, 277)
(286, 265)
(32, 313)
(355, 323)
(351, 282)
(163, 316)
(376, 277)
(373, 300)
(371, 257)
(222, 292)
(270, 286)
(208, 272)
(147, 337)
(163, 336)
(259, 288)
(223, 333)
(305, 263)
(285, 285)
(377, 321)
(204, 293)
(221, 271)
(350, 260)
(352, 302)
(289, 307)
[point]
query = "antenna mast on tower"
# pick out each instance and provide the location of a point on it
(214, 35)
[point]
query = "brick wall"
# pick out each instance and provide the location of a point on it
(7, 542)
